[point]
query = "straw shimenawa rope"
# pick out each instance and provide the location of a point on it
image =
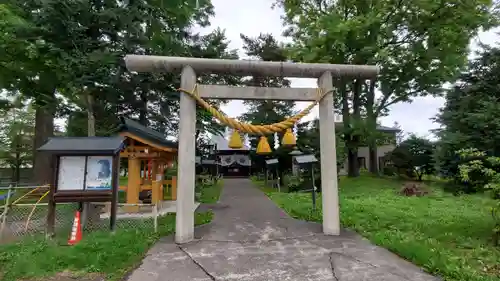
(254, 129)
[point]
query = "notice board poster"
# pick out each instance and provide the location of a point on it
(99, 173)
(71, 173)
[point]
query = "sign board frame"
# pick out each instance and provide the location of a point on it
(96, 166)
(89, 189)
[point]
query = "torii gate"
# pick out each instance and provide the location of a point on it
(190, 67)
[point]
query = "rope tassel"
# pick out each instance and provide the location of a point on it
(288, 138)
(263, 147)
(235, 141)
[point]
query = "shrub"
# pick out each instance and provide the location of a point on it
(482, 171)
(414, 157)
(293, 183)
(389, 170)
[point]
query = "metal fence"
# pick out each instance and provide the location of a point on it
(20, 220)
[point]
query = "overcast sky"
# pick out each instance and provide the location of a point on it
(256, 16)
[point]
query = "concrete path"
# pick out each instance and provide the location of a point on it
(252, 239)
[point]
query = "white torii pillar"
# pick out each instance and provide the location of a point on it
(190, 67)
(186, 170)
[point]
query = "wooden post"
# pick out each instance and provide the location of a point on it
(161, 192)
(329, 184)
(114, 188)
(174, 188)
(143, 170)
(155, 184)
(51, 214)
(160, 177)
(134, 183)
(151, 173)
(162, 172)
(155, 192)
(154, 170)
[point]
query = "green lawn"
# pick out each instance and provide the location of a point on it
(210, 193)
(99, 252)
(446, 235)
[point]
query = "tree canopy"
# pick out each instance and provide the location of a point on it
(66, 57)
(414, 157)
(265, 47)
(419, 45)
(470, 117)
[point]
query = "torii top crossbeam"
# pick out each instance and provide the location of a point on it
(142, 63)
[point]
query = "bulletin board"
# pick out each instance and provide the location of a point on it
(85, 173)
(99, 173)
(71, 174)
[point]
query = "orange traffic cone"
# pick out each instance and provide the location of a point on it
(76, 232)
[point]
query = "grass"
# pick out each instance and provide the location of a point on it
(446, 235)
(99, 252)
(210, 193)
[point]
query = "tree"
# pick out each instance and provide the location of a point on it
(400, 135)
(308, 140)
(16, 139)
(9, 21)
(481, 172)
(75, 49)
(162, 101)
(34, 73)
(213, 45)
(414, 157)
(266, 48)
(419, 46)
(470, 116)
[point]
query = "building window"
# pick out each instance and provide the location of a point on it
(362, 162)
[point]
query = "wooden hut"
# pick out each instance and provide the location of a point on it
(149, 153)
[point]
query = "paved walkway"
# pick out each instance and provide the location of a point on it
(252, 239)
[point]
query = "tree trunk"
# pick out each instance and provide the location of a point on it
(346, 120)
(372, 129)
(143, 111)
(44, 129)
(13, 174)
(353, 141)
(18, 166)
(352, 163)
(90, 116)
(373, 162)
(90, 212)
